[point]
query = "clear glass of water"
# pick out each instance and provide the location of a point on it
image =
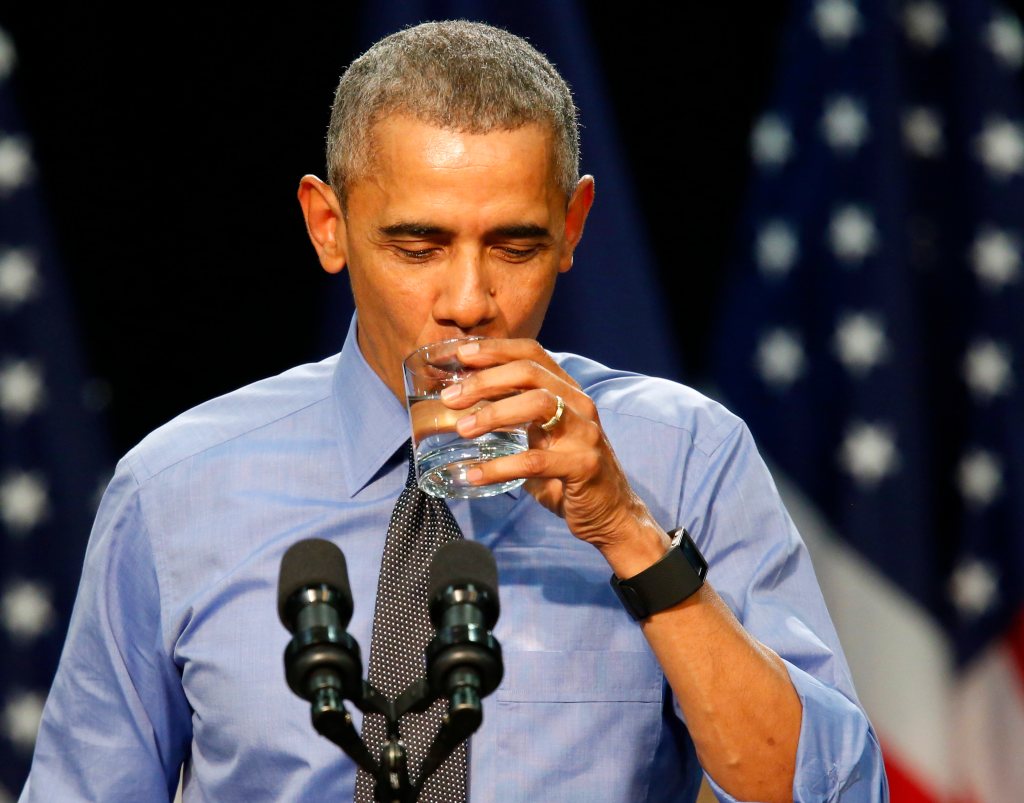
(442, 455)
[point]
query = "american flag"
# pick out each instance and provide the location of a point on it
(52, 456)
(873, 339)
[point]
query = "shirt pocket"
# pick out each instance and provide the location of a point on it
(580, 676)
(570, 726)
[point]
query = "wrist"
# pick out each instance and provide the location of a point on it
(643, 544)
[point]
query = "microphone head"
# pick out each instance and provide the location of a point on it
(312, 562)
(461, 563)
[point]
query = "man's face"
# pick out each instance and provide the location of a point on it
(451, 234)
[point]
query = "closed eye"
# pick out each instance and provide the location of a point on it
(519, 254)
(417, 255)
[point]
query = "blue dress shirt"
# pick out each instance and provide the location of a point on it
(174, 654)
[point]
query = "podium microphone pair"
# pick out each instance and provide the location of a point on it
(323, 664)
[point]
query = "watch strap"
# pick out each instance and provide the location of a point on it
(678, 574)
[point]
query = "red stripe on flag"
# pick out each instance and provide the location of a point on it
(1015, 643)
(903, 788)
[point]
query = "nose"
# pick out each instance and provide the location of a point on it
(465, 301)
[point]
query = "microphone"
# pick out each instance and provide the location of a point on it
(314, 602)
(464, 659)
(322, 662)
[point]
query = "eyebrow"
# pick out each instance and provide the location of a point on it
(413, 229)
(513, 231)
(520, 231)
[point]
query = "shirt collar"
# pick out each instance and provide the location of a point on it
(372, 423)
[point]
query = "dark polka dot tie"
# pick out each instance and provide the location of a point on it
(401, 632)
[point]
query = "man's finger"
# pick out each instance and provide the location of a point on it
(495, 351)
(532, 406)
(536, 463)
(508, 379)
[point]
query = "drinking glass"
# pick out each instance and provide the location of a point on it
(442, 455)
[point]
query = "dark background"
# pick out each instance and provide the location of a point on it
(170, 145)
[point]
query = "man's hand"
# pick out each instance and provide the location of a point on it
(570, 469)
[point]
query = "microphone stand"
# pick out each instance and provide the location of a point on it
(332, 720)
(463, 663)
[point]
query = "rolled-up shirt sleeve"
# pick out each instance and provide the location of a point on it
(762, 570)
(116, 724)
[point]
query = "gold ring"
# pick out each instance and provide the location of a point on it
(552, 422)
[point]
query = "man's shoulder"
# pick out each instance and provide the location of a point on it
(233, 416)
(652, 400)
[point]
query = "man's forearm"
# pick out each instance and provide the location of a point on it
(740, 705)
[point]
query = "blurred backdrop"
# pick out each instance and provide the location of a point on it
(811, 209)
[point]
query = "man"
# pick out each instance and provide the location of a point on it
(454, 202)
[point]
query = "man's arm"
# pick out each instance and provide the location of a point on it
(764, 577)
(738, 697)
(116, 724)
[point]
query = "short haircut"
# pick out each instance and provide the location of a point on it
(457, 75)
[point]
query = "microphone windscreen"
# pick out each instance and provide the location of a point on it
(310, 563)
(459, 563)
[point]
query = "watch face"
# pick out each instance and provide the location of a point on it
(693, 556)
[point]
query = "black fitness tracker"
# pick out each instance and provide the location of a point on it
(677, 575)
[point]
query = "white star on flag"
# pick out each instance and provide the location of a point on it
(26, 610)
(860, 343)
(15, 163)
(922, 132)
(868, 453)
(1006, 41)
(980, 478)
(924, 23)
(844, 124)
(777, 248)
(21, 389)
(974, 588)
(987, 369)
(8, 57)
(995, 255)
(21, 715)
(24, 501)
(771, 142)
(1000, 146)
(852, 234)
(837, 21)
(780, 358)
(19, 277)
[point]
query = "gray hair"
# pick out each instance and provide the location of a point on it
(457, 75)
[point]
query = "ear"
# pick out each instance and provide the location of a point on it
(575, 218)
(325, 222)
